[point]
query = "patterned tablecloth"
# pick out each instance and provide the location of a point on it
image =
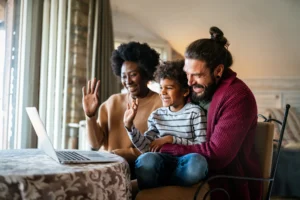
(31, 174)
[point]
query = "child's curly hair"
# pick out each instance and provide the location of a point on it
(172, 70)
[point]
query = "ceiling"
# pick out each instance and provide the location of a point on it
(264, 34)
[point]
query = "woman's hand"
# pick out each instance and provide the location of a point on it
(159, 142)
(130, 113)
(90, 98)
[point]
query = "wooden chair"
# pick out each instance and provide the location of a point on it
(263, 147)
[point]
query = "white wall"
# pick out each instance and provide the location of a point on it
(264, 35)
(126, 28)
(275, 93)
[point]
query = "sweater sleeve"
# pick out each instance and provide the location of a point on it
(239, 115)
(96, 129)
(140, 141)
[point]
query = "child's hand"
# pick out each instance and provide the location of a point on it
(130, 113)
(157, 143)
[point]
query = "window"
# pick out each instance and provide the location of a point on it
(2, 56)
(44, 67)
(8, 73)
(16, 86)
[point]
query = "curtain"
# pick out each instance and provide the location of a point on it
(63, 69)
(101, 48)
(20, 77)
(58, 47)
(52, 68)
(90, 46)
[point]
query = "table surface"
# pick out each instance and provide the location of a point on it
(31, 174)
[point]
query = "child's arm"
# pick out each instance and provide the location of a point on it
(199, 130)
(140, 141)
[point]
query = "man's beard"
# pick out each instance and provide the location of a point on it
(207, 93)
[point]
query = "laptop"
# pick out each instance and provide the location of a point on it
(65, 156)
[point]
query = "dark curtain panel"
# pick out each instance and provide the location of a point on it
(101, 47)
(91, 45)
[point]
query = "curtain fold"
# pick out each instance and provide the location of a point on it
(61, 45)
(104, 40)
(76, 69)
(90, 46)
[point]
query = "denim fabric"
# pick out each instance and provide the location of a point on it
(158, 169)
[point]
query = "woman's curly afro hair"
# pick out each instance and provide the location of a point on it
(146, 58)
(172, 70)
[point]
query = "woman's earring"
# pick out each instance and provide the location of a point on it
(218, 76)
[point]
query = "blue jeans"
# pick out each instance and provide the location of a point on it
(158, 169)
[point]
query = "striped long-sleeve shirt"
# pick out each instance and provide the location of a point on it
(187, 126)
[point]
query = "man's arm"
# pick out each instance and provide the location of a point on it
(238, 116)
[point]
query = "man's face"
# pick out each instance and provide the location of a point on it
(200, 79)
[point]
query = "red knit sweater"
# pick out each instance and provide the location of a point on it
(232, 119)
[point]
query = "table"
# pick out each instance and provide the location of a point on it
(31, 174)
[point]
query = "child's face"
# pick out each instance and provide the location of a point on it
(172, 95)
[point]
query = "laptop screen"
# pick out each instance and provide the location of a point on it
(41, 132)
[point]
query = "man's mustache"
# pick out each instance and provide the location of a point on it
(198, 86)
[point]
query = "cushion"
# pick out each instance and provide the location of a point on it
(292, 129)
(172, 193)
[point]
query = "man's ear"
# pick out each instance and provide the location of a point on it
(218, 72)
(186, 92)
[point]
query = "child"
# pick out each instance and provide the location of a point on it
(178, 122)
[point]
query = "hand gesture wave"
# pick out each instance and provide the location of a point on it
(130, 113)
(90, 98)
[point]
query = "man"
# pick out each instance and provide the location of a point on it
(232, 117)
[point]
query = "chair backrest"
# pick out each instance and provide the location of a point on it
(264, 148)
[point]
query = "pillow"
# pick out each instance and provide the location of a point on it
(292, 128)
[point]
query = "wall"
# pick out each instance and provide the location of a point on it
(126, 28)
(264, 35)
(275, 93)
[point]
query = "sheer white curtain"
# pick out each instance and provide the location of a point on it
(34, 71)
(56, 47)
(53, 67)
(21, 73)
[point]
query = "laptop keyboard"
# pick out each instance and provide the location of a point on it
(70, 155)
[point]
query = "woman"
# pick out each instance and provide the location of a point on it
(135, 64)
